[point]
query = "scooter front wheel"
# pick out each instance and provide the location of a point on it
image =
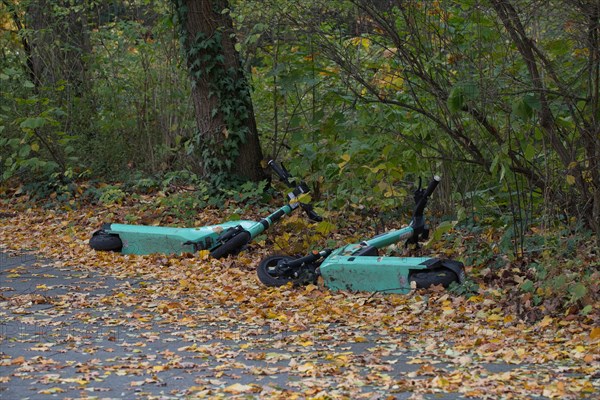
(103, 241)
(268, 273)
(432, 277)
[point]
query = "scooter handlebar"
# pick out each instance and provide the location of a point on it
(309, 258)
(310, 212)
(281, 172)
(300, 189)
(420, 207)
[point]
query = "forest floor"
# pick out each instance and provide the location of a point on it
(76, 323)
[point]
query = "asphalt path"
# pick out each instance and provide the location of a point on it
(57, 341)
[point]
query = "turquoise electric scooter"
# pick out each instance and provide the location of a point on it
(359, 267)
(220, 240)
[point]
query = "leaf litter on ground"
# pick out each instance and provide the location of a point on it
(231, 326)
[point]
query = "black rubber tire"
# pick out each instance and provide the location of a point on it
(106, 242)
(432, 277)
(266, 276)
(232, 246)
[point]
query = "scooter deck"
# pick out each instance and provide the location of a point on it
(370, 273)
(145, 239)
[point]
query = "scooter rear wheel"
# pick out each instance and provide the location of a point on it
(432, 277)
(267, 272)
(103, 241)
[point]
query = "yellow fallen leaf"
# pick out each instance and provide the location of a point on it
(238, 388)
(494, 317)
(416, 361)
(82, 382)
(53, 390)
(440, 382)
(307, 367)
(448, 310)
(204, 254)
(595, 333)
(588, 387)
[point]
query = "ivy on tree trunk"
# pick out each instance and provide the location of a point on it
(227, 140)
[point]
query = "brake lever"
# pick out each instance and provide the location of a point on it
(310, 212)
(418, 193)
(282, 172)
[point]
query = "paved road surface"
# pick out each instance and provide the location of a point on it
(57, 341)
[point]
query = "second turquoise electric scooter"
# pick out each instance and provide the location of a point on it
(360, 267)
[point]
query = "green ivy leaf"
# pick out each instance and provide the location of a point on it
(33, 123)
(586, 310)
(522, 109)
(530, 152)
(578, 291)
(456, 99)
(325, 227)
(527, 286)
(24, 151)
(442, 228)
(532, 101)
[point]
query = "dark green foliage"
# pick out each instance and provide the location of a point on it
(360, 98)
(466, 289)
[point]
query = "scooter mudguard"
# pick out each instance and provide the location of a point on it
(144, 239)
(378, 274)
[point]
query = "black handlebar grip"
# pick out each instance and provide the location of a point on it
(279, 171)
(432, 185)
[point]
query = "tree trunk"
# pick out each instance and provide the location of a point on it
(227, 141)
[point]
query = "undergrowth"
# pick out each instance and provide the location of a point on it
(558, 273)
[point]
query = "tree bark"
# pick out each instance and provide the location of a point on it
(228, 135)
